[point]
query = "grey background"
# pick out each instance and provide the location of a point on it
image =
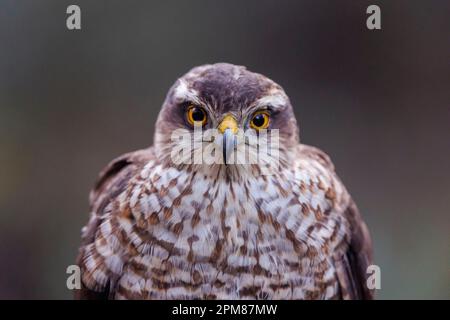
(376, 101)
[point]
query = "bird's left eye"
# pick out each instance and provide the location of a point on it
(260, 120)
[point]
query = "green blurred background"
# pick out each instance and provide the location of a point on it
(378, 102)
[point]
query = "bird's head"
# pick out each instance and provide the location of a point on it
(229, 105)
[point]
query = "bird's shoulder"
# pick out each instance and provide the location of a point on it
(116, 175)
(115, 178)
(314, 154)
(313, 167)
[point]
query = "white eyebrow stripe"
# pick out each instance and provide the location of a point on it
(183, 93)
(276, 101)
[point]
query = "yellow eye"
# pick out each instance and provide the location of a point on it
(196, 114)
(260, 120)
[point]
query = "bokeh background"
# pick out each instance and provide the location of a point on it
(378, 102)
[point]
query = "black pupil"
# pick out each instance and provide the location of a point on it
(258, 120)
(198, 115)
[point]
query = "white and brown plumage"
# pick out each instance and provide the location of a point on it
(164, 231)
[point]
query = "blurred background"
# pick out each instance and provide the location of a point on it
(378, 102)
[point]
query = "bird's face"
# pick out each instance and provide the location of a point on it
(232, 103)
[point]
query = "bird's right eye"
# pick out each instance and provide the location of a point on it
(196, 114)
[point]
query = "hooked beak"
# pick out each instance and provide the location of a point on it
(228, 127)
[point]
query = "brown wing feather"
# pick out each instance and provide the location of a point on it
(352, 265)
(352, 268)
(112, 181)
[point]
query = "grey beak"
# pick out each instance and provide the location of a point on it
(228, 145)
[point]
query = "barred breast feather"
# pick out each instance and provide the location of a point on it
(161, 232)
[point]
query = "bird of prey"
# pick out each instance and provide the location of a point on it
(165, 230)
